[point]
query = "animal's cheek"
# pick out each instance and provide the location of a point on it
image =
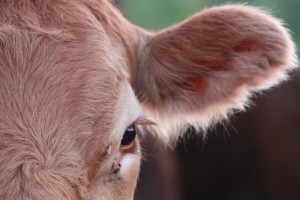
(127, 156)
(122, 179)
(126, 171)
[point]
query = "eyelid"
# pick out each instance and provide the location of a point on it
(143, 121)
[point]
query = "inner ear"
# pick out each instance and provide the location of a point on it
(246, 46)
(212, 65)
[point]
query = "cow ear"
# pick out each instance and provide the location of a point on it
(205, 68)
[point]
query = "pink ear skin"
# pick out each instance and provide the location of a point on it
(246, 46)
(198, 85)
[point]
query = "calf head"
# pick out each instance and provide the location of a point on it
(77, 79)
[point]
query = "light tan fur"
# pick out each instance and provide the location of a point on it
(75, 74)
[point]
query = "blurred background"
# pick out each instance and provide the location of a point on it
(256, 156)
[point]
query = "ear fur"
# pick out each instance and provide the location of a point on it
(205, 68)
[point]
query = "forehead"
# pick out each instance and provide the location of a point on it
(69, 64)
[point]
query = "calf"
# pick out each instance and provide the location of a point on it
(78, 81)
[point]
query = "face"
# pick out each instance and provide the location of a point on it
(69, 116)
(76, 80)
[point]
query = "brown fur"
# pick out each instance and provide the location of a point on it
(68, 70)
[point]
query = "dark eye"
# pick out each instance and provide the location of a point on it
(128, 136)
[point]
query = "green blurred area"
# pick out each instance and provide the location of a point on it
(157, 14)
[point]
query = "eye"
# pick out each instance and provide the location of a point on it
(128, 136)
